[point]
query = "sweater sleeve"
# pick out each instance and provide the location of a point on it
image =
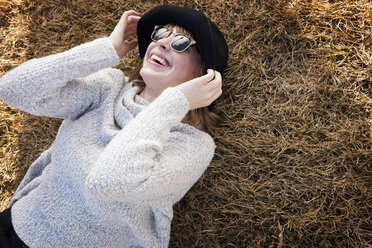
(146, 161)
(53, 85)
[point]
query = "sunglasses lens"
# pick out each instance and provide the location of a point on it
(160, 33)
(180, 43)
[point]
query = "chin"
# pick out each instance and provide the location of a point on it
(153, 77)
(161, 78)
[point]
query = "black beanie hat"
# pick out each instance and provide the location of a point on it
(211, 42)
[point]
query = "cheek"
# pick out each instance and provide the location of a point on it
(149, 47)
(193, 65)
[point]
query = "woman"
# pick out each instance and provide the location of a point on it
(122, 157)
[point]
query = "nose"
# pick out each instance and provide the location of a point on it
(165, 43)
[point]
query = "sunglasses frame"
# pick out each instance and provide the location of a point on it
(192, 42)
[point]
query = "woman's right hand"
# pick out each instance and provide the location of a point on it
(202, 91)
(126, 28)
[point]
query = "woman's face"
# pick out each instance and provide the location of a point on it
(163, 67)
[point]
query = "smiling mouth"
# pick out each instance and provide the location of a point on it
(159, 60)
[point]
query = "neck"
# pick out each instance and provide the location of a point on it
(150, 94)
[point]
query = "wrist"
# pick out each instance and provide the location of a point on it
(114, 45)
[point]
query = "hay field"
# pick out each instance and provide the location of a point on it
(293, 163)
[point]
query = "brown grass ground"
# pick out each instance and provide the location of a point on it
(293, 164)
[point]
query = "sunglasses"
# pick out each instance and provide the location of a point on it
(180, 42)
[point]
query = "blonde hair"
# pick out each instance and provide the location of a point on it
(200, 118)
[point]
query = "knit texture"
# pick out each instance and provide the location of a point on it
(118, 164)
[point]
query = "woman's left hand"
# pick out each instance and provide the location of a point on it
(126, 28)
(202, 91)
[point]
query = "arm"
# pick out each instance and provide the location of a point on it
(146, 161)
(50, 86)
(55, 85)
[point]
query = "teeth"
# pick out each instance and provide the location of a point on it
(159, 60)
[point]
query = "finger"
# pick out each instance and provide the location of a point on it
(214, 84)
(126, 14)
(131, 26)
(130, 33)
(131, 23)
(133, 19)
(123, 18)
(213, 91)
(130, 13)
(133, 12)
(215, 96)
(131, 45)
(218, 74)
(210, 72)
(206, 77)
(219, 78)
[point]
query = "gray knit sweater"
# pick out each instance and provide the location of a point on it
(118, 163)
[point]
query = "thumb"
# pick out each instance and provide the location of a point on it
(202, 80)
(208, 77)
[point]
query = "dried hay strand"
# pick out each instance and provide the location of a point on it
(293, 160)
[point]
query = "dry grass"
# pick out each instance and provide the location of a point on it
(293, 164)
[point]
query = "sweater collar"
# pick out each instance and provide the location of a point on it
(132, 100)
